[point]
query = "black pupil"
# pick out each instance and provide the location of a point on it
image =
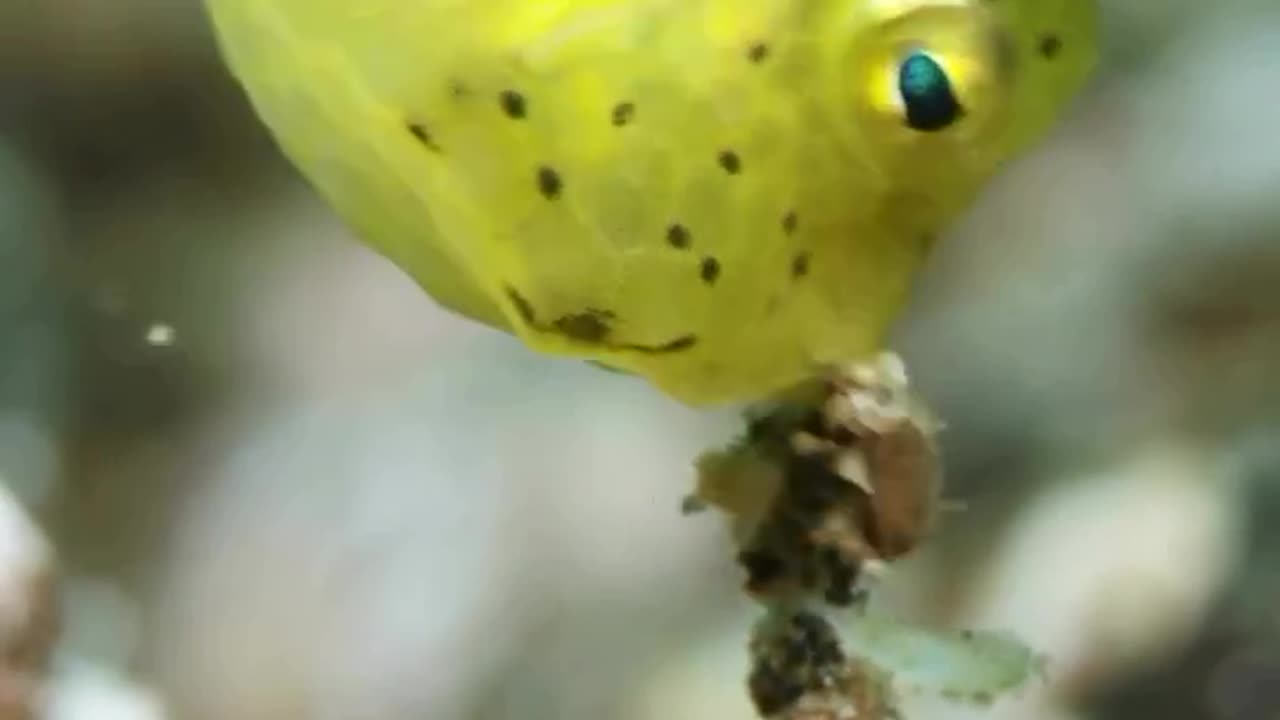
(926, 93)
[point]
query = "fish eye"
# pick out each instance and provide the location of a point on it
(928, 99)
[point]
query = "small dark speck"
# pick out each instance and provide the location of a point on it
(549, 182)
(730, 161)
(758, 52)
(423, 135)
(790, 222)
(458, 89)
(800, 265)
(1050, 45)
(513, 104)
(623, 113)
(678, 236)
(710, 270)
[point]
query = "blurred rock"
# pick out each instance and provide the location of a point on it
(28, 610)
(85, 691)
(368, 554)
(1110, 570)
(1203, 270)
(34, 365)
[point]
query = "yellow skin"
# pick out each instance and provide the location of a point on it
(722, 196)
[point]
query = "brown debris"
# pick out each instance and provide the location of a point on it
(800, 672)
(822, 493)
(820, 497)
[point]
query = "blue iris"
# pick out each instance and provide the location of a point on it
(926, 93)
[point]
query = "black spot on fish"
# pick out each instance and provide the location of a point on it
(730, 161)
(678, 236)
(1050, 45)
(423, 136)
(513, 104)
(680, 344)
(549, 182)
(800, 265)
(623, 113)
(790, 222)
(710, 270)
(522, 305)
(590, 326)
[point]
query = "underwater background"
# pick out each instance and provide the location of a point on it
(281, 484)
